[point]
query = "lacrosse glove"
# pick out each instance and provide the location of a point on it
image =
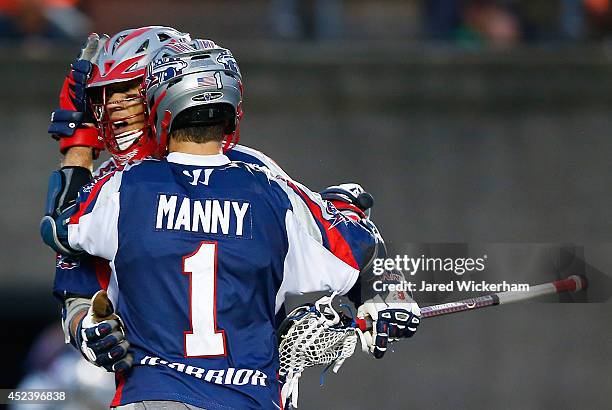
(100, 336)
(350, 199)
(68, 122)
(387, 322)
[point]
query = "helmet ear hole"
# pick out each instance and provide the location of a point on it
(95, 95)
(108, 64)
(118, 41)
(143, 47)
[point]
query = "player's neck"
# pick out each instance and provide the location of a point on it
(207, 148)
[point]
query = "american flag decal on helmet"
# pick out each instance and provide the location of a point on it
(210, 79)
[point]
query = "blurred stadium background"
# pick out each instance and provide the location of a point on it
(469, 121)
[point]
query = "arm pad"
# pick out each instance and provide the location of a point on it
(64, 186)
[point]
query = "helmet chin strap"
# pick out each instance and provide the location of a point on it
(163, 138)
(231, 139)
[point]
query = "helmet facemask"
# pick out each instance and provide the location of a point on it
(119, 110)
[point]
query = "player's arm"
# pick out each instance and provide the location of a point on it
(351, 237)
(77, 280)
(78, 140)
(92, 227)
(90, 224)
(326, 249)
(394, 314)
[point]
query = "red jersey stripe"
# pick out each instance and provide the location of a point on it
(92, 195)
(118, 393)
(103, 272)
(337, 243)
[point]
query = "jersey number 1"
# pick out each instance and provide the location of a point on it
(204, 339)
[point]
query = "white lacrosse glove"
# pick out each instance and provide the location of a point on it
(387, 321)
(101, 336)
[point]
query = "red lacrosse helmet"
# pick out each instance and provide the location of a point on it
(120, 69)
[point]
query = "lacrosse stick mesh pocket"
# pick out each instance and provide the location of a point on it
(312, 341)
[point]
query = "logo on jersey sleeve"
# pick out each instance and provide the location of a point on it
(208, 216)
(65, 262)
(334, 216)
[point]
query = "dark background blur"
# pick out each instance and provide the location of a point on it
(469, 121)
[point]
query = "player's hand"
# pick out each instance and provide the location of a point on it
(350, 199)
(101, 336)
(389, 322)
(72, 122)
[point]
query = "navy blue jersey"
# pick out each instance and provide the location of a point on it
(203, 252)
(85, 275)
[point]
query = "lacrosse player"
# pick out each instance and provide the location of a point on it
(204, 250)
(107, 70)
